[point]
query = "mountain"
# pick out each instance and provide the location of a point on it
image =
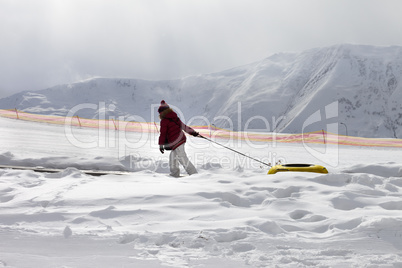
(355, 85)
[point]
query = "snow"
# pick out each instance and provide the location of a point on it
(231, 214)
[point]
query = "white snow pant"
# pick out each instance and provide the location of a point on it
(177, 156)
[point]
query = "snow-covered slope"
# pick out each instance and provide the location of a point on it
(278, 93)
(230, 214)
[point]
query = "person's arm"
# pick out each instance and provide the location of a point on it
(162, 136)
(188, 129)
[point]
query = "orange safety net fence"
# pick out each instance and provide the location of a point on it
(319, 137)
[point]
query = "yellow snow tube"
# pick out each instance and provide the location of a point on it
(298, 168)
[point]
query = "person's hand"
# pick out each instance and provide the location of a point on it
(161, 149)
(195, 134)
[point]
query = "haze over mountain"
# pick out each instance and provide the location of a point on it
(355, 85)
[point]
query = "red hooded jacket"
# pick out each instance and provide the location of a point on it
(171, 129)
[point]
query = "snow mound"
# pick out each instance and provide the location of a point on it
(384, 170)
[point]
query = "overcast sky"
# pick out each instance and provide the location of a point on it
(48, 42)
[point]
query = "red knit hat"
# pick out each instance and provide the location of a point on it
(163, 106)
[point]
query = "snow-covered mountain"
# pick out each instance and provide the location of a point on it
(287, 92)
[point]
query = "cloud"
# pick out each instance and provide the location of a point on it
(48, 42)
